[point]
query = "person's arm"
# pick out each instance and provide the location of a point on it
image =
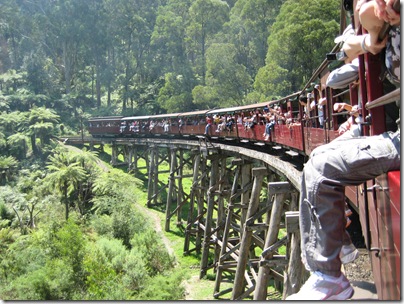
(322, 101)
(388, 10)
(346, 125)
(339, 106)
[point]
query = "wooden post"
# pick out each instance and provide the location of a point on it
(245, 195)
(114, 154)
(219, 268)
(200, 204)
(214, 172)
(295, 272)
(126, 155)
(193, 194)
(220, 207)
(171, 184)
(278, 189)
(239, 281)
(130, 157)
(150, 175)
(156, 175)
(180, 190)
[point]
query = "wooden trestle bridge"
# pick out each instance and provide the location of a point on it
(242, 208)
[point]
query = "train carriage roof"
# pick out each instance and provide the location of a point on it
(169, 115)
(238, 109)
(105, 118)
(136, 118)
(250, 107)
(231, 110)
(193, 113)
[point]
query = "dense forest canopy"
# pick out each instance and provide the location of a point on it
(131, 57)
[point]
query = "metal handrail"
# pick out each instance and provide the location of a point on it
(383, 100)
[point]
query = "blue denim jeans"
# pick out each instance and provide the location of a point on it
(345, 162)
(207, 128)
(268, 127)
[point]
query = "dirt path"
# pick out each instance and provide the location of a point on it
(157, 225)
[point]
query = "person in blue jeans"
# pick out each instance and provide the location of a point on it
(209, 122)
(331, 167)
(268, 126)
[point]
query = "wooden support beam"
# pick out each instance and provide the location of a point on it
(279, 189)
(171, 184)
(295, 271)
(150, 185)
(239, 280)
(292, 221)
(227, 249)
(192, 198)
(214, 174)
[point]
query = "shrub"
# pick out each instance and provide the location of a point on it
(154, 252)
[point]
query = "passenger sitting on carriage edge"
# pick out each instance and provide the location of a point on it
(208, 125)
(325, 175)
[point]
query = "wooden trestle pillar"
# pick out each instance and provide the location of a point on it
(194, 194)
(175, 187)
(171, 185)
(295, 272)
(151, 190)
(227, 221)
(279, 189)
(213, 184)
(239, 280)
(114, 154)
(227, 249)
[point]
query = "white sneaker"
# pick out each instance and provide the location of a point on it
(348, 253)
(324, 287)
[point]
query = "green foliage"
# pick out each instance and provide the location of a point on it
(135, 273)
(111, 188)
(98, 259)
(102, 224)
(300, 38)
(101, 279)
(18, 145)
(156, 256)
(169, 288)
(112, 57)
(227, 78)
(174, 96)
(8, 166)
(51, 282)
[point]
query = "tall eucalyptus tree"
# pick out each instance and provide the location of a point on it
(299, 40)
(131, 26)
(206, 18)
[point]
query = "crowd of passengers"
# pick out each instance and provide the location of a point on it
(313, 115)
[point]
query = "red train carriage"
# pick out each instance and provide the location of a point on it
(224, 123)
(377, 201)
(380, 208)
(164, 124)
(192, 123)
(135, 126)
(104, 126)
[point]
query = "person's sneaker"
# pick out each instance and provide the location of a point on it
(324, 287)
(348, 253)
